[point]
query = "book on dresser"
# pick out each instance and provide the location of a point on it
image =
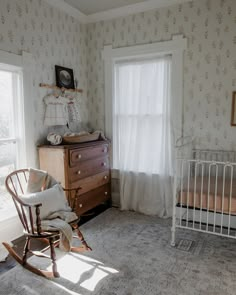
(84, 165)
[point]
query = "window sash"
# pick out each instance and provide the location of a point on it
(12, 145)
(140, 146)
(140, 114)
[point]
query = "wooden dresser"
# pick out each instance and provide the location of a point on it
(84, 165)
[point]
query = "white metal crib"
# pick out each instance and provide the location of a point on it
(204, 197)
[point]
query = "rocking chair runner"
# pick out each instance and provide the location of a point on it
(29, 215)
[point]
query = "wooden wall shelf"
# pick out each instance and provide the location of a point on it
(59, 88)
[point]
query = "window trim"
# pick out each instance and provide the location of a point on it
(23, 63)
(174, 47)
(18, 136)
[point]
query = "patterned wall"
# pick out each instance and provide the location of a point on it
(209, 62)
(52, 37)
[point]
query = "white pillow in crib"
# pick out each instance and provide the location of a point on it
(52, 199)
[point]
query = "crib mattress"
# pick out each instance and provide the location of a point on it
(193, 196)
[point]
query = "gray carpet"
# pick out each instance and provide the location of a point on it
(132, 255)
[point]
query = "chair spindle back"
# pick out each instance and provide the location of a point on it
(16, 184)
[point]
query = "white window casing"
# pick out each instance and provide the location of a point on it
(22, 65)
(174, 47)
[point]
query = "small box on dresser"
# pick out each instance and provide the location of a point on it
(84, 165)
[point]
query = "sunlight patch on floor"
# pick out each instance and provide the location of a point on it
(91, 283)
(72, 268)
(82, 270)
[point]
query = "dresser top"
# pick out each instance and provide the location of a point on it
(75, 145)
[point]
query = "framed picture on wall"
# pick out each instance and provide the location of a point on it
(64, 77)
(233, 111)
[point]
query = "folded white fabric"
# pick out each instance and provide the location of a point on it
(54, 138)
(59, 221)
(64, 215)
(66, 233)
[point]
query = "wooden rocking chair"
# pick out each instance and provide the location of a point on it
(29, 215)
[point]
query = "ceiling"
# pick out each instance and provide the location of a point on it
(88, 11)
(94, 6)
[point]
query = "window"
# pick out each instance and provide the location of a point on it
(141, 120)
(174, 47)
(11, 131)
(135, 129)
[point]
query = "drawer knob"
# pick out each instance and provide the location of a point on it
(79, 172)
(104, 150)
(79, 156)
(104, 164)
(106, 193)
(105, 177)
(80, 205)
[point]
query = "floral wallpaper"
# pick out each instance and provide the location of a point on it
(53, 38)
(209, 62)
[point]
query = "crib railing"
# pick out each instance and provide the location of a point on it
(214, 155)
(205, 193)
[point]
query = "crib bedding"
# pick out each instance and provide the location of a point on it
(195, 194)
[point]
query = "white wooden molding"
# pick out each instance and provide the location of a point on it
(28, 67)
(112, 13)
(12, 60)
(25, 64)
(174, 47)
(131, 9)
(10, 227)
(62, 5)
(178, 42)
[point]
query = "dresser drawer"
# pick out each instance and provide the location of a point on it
(92, 182)
(78, 155)
(88, 168)
(92, 198)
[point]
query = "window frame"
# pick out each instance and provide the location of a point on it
(18, 124)
(10, 227)
(174, 47)
(120, 114)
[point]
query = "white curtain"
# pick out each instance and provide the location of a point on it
(142, 135)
